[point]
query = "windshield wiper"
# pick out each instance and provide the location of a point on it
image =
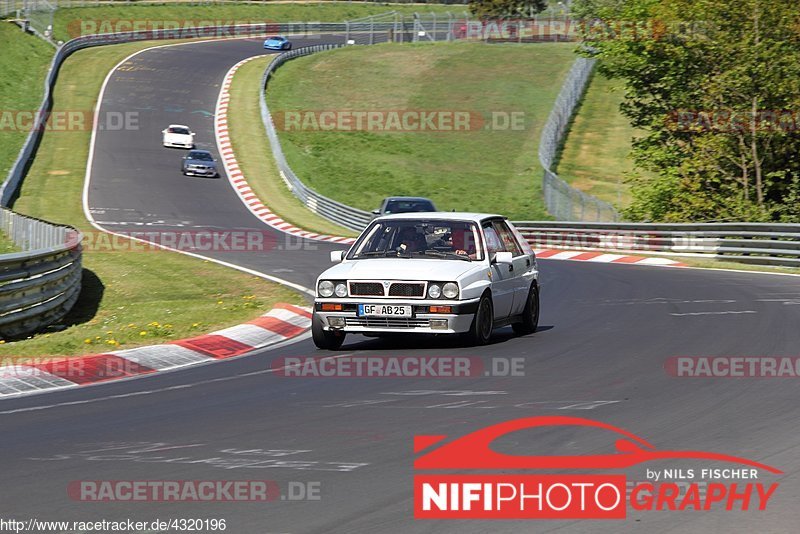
(442, 254)
(374, 253)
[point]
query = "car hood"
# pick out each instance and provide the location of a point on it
(201, 162)
(273, 41)
(401, 269)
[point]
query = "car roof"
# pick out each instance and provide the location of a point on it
(442, 216)
(408, 198)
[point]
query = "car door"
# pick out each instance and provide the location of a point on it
(522, 274)
(503, 279)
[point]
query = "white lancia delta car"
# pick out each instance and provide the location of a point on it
(429, 273)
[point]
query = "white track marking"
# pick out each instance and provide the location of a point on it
(732, 312)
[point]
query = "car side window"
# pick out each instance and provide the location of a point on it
(493, 243)
(507, 237)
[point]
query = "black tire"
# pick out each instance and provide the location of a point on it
(288, 46)
(325, 339)
(530, 315)
(482, 324)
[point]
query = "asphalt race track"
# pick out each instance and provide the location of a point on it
(136, 184)
(606, 332)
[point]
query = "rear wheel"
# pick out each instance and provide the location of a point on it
(482, 324)
(325, 339)
(530, 315)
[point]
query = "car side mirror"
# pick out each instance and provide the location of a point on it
(376, 212)
(337, 255)
(503, 257)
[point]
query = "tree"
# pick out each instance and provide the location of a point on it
(506, 9)
(715, 84)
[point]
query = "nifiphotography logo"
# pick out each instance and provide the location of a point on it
(575, 496)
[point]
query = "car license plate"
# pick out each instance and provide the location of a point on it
(383, 310)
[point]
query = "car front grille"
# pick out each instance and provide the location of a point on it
(407, 289)
(366, 289)
(414, 290)
(388, 322)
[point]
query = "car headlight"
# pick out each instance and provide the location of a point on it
(450, 290)
(434, 291)
(325, 288)
(341, 290)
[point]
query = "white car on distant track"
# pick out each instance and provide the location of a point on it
(431, 273)
(178, 136)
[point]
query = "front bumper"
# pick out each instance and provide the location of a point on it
(174, 144)
(458, 321)
(200, 172)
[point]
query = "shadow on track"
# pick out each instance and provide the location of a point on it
(405, 341)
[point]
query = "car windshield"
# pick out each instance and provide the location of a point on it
(419, 238)
(275, 39)
(409, 206)
(179, 130)
(202, 156)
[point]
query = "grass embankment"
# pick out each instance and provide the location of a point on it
(129, 298)
(7, 246)
(70, 22)
(255, 158)
(24, 60)
(596, 152)
(482, 169)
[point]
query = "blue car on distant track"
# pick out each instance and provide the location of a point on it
(277, 43)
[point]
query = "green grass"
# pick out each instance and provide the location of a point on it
(68, 21)
(130, 298)
(24, 60)
(596, 153)
(481, 169)
(7, 246)
(254, 156)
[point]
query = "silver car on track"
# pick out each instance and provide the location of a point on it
(199, 163)
(431, 273)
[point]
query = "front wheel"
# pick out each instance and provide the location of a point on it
(530, 315)
(482, 323)
(325, 339)
(288, 46)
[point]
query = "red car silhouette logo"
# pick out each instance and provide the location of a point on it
(473, 451)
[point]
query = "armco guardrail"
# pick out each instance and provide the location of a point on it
(342, 214)
(39, 284)
(563, 201)
(762, 243)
